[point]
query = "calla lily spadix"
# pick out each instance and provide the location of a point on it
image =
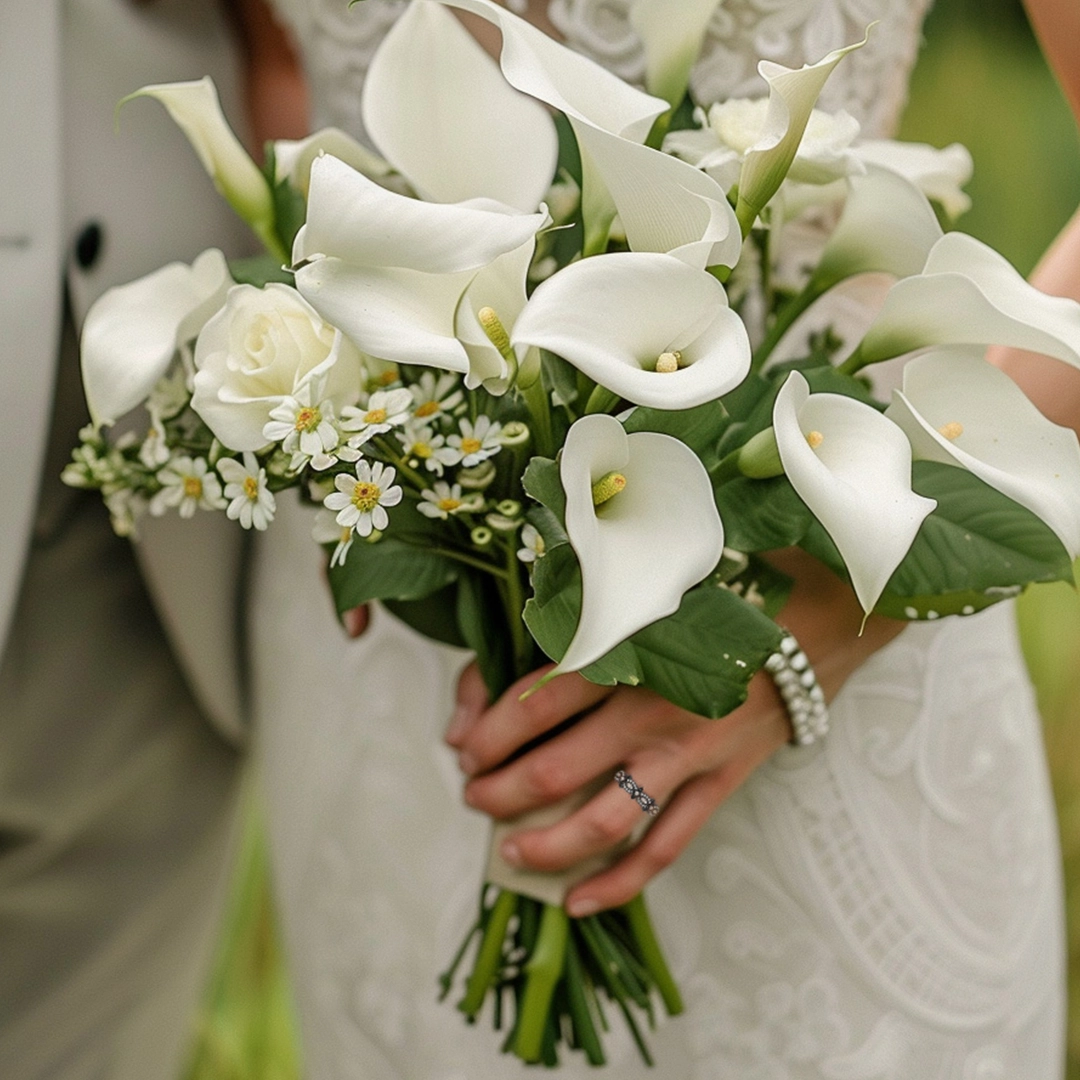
(664, 204)
(389, 271)
(967, 294)
(293, 157)
(195, 108)
(792, 96)
(852, 468)
(438, 108)
(133, 331)
(672, 42)
(645, 326)
(656, 535)
(960, 410)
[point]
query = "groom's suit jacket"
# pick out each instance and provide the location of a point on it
(90, 204)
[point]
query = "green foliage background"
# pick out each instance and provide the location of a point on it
(980, 80)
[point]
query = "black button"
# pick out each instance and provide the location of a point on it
(88, 245)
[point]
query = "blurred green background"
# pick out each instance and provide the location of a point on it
(980, 80)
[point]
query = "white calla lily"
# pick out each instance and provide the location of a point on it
(437, 106)
(196, 110)
(662, 204)
(133, 331)
(389, 271)
(938, 173)
(293, 157)
(968, 294)
(852, 468)
(960, 410)
(732, 128)
(619, 317)
(672, 44)
(646, 545)
(887, 226)
(792, 96)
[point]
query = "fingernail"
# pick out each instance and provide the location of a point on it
(459, 725)
(511, 853)
(578, 909)
(466, 763)
(356, 621)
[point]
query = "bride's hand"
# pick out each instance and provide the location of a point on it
(687, 763)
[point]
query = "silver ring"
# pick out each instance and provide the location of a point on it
(647, 803)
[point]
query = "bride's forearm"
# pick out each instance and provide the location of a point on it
(825, 617)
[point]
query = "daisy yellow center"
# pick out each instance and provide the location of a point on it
(192, 487)
(375, 416)
(952, 430)
(422, 450)
(449, 505)
(815, 439)
(607, 487)
(251, 488)
(365, 496)
(429, 408)
(388, 377)
(668, 361)
(308, 419)
(471, 446)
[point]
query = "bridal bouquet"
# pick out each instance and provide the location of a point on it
(537, 364)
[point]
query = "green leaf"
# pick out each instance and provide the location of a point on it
(289, 206)
(388, 570)
(701, 658)
(761, 515)
(977, 548)
(541, 482)
(700, 428)
(482, 623)
(257, 270)
(434, 616)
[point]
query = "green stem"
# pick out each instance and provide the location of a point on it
(543, 971)
(387, 450)
(601, 400)
(854, 363)
(469, 560)
(515, 605)
(536, 398)
(584, 1027)
(489, 955)
(785, 317)
(270, 240)
(641, 927)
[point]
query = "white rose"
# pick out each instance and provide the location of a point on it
(260, 348)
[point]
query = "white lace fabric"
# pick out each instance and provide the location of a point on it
(884, 906)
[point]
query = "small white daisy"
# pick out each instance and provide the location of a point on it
(154, 451)
(435, 394)
(327, 531)
(360, 500)
(304, 426)
(477, 442)
(424, 444)
(385, 409)
(533, 544)
(251, 501)
(187, 484)
(441, 501)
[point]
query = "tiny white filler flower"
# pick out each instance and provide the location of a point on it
(360, 500)
(250, 501)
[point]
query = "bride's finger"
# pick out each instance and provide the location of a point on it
(616, 731)
(607, 819)
(676, 825)
(510, 722)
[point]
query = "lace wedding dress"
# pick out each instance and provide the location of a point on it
(885, 906)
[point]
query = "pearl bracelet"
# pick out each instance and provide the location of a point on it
(805, 702)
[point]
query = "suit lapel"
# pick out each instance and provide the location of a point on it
(30, 268)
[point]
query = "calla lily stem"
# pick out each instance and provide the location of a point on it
(543, 969)
(641, 927)
(490, 954)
